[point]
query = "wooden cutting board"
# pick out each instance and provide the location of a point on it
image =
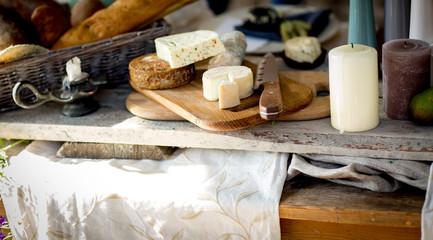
(142, 106)
(188, 103)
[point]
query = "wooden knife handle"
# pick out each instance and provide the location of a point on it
(271, 102)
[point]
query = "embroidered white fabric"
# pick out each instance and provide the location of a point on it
(196, 194)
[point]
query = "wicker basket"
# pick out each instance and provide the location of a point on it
(110, 57)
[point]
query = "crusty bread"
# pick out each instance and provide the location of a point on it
(49, 18)
(50, 22)
(20, 50)
(84, 9)
(11, 30)
(120, 17)
(151, 72)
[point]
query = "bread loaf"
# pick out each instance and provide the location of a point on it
(151, 72)
(12, 30)
(84, 9)
(49, 18)
(120, 17)
(20, 50)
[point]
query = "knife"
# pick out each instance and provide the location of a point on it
(271, 102)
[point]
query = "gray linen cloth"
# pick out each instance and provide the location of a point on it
(381, 175)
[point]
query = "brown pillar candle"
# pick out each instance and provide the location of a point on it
(406, 70)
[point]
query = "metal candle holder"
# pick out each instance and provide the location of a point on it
(77, 95)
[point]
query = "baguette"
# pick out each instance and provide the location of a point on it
(49, 18)
(120, 17)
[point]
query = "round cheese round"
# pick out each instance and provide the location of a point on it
(151, 72)
(241, 75)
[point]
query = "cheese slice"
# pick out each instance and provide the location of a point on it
(213, 77)
(228, 94)
(185, 48)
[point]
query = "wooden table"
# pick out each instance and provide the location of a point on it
(318, 209)
(309, 209)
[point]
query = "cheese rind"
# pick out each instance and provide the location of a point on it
(228, 94)
(236, 45)
(185, 48)
(151, 72)
(213, 77)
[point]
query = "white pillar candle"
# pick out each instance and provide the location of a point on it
(353, 87)
(421, 24)
(421, 19)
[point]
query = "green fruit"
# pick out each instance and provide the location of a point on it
(286, 29)
(421, 106)
(300, 31)
(302, 24)
(293, 28)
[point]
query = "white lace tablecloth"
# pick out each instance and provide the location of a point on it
(196, 194)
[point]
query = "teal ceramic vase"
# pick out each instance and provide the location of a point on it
(361, 23)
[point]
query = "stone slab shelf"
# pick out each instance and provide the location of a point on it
(113, 123)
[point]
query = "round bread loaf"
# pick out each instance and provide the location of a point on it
(151, 72)
(48, 17)
(20, 50)
(13, 30)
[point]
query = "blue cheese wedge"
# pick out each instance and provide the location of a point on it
(241, 75)
(302, 49)
(182, 49)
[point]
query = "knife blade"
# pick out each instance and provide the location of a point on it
(271, 102)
